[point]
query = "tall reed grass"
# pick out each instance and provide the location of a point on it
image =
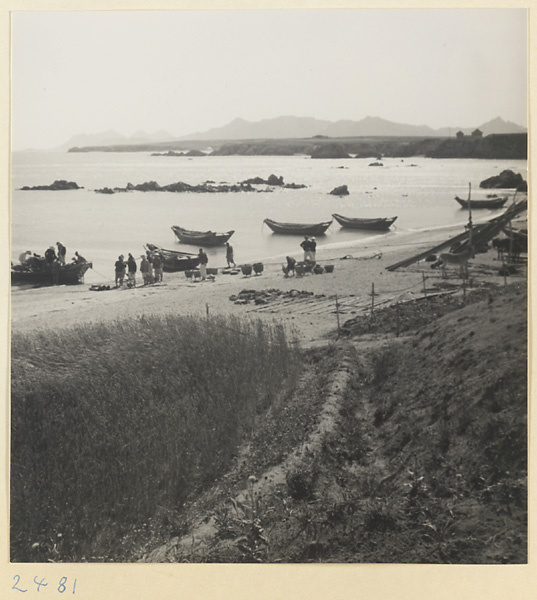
(111, 421)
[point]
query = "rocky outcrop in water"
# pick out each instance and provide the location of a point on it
(341, 190)
(505, 180)
(107, 190)
(58, 185)
(273, 180)
(179, 186)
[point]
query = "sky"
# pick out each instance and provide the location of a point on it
(184, 71)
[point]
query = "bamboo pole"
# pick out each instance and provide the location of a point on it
(470, 226)
(337, 315)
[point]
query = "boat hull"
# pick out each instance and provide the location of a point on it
(490, 204)
(381, 224)
(201, 238)
(70, 274)
(298, 228)
(175, 262)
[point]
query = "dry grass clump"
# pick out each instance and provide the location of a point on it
(112, 423)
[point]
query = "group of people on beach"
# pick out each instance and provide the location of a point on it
(309, 245)
(54, 258)
(204, 260)
(151, 268)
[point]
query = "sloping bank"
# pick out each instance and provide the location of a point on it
(418, 454)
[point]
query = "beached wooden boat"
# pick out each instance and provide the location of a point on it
(521, 235)
(379, 224)
(201, 238)
(298, 228)
(489, 203)
(175, 261)
(39, 273)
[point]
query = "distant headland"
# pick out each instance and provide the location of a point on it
(494, 146)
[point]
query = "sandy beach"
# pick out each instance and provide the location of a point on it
(312, 319)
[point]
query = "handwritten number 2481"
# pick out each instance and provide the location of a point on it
(62, 584)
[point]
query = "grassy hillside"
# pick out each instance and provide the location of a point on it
(425, 461)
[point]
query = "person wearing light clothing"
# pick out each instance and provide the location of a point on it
(203, 263)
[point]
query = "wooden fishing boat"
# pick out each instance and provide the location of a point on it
(38, 272)
(201, 238)
(379, 224)
(175, 261)
(298, 228)
(521, 235)
(489, 203)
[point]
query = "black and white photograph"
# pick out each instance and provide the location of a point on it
(269, 287)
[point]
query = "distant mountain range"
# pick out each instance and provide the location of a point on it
(292, 127)
(305, 127)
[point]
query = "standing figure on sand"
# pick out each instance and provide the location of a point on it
(229, 255)
(203, 264)
(313, 249)
(145, 266)
(309, 245)
(120, 267)
(132, 268)
(158, 266)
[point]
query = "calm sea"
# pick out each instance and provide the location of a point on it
(419, 191)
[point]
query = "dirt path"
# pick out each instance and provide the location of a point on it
(202, 535)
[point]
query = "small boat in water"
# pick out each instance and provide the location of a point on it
(175, 261)
(489, 203)
(298, 228)
(380, 224)
(38, 272)
(201, 238)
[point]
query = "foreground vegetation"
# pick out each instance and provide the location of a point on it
(115, 423)
(427, 462)
(142, 447)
